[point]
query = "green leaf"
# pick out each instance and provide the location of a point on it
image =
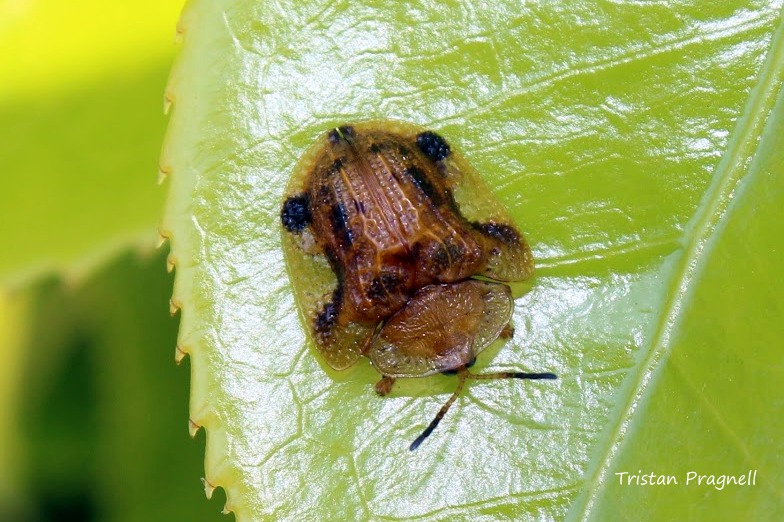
(80, 131)
(100, 408)
(715, 407)
(630, 142)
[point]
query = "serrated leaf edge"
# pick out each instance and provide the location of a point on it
(218, 472)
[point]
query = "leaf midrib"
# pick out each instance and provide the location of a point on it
(697, 236)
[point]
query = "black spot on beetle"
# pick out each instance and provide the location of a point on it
(390, 280)
(435, 256)
(327, 318)
(339, 219)
(419, 178)
(376, 290)
(347, 131)
(375, 148)
(336, 266)
(433, 145)
(336, 166)
(344, 132)
(295, 214)
(385, 284)
(455, 252)
(504, 233)
(440, 258)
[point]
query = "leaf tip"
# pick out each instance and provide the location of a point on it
(179, 31)
(170, 263)
(163, 237)
(168, 100)
(179, 354)
(174, 306)
(164, 172)
(208, 488)
(193, 428)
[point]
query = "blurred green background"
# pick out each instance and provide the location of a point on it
(93, 409)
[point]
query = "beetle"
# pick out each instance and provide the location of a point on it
(403, 255)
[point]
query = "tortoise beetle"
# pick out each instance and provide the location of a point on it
(392, 231)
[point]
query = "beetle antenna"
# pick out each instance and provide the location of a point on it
(512, 375)
(461, 375)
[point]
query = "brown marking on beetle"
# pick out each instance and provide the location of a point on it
(400, 211)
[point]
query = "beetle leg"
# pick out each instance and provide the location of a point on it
(384, 386)
(507, 332)
(462, 373)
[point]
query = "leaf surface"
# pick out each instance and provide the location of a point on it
(630, 142)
